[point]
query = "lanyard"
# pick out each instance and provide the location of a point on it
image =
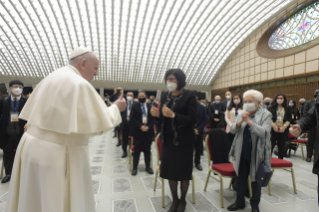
(15, 107)
(236, 113)
(143, 109)
(130, 106)
(279, 111)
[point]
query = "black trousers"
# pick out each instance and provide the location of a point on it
(281, 139)
(311, 141)
(142, 145)
(231, 138)
(199, 148)
(242, 182)
(125, 135)
(9, 152)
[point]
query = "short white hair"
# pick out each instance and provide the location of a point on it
(217, 96)
(256, 94)
(266, 98)
(302, 99)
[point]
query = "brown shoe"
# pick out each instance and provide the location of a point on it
(308, 159)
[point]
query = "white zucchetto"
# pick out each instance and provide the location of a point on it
(79, 51)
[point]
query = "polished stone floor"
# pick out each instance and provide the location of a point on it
(116, 190)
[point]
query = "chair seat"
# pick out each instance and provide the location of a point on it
(279, 163)
(225, 169)
(300, 141)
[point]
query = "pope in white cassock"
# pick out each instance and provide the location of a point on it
(51, 171)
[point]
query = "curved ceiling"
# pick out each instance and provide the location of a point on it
(135, 40)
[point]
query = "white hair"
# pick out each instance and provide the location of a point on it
(217, 96)
(266, 98)
(302, 99)
(256, 94)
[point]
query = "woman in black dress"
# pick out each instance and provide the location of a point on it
(177, 118)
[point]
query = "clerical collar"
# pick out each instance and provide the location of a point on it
(74, 69)
(18, 98)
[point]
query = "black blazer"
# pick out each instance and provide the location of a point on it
(224, 106)
(288, 115)
(5, 105)
(137, 122)
(124, 117)
(212, 115)
(185, 111)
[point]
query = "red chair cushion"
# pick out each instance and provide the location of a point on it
(301, 141)
(290, 136)
(208, 146)
(279, 163)
(225, 169)
(159, 146)
(132, 148)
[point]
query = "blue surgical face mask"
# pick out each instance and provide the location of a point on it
(217, 102)
(291, 104)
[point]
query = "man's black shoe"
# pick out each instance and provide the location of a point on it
(199, 167)
(6, 179)
(124, 155)
(134, 172)
(255, 210)
(149, 170)
(235, 207)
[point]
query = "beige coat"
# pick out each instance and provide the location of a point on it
(51, 172)
(230, 118)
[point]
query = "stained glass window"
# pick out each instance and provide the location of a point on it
(301, 28)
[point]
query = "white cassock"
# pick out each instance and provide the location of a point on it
(51, 172)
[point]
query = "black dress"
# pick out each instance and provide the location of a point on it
(178, 136)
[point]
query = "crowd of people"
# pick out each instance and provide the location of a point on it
(53, 139)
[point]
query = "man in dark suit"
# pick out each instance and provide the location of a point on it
(302, 102)
(118, 130)
(126, 122)
(312, 132)
(152, 99)
(216, 116)
(225, 103)
(11, 127)
(142, 131)
(201, 121)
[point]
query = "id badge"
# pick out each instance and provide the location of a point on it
(14, 117)
(144, 120)
(279, 118)
(216, 112)
(293, 117)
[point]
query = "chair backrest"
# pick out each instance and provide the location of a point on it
(291, 136)
(158, 145)
(209, 153)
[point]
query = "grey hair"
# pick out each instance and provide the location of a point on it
(266, 98)
(256, 94)
(76, 60)
(302, 99)
(217, 96)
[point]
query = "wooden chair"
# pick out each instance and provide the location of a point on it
(277, 163)
(2, 166)
(223, 170)
(131, 154)
(158, 145)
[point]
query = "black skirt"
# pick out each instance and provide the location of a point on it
(177, 162)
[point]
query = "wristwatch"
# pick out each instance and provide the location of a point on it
(173, 116)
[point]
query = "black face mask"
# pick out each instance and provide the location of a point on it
(315, 95)
(142, 100)
(152, 100)
(267, 103)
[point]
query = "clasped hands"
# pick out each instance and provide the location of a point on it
(280, 129)
(295, 130)
(144, 128)
(245, 117)
(167, 112)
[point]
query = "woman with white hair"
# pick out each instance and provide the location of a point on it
(251, 147)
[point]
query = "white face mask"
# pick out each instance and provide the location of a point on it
(228, 97)
(250, 107)
(129, 98)
(171, 86)
(17, 91)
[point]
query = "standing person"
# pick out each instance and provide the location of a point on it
(307, 122)
(126, 122)
(266, 103)
(312, 132)
(118, 92)
(302, 102)
(250, 148)
(294, 111)
(142, 131)
(216, 117)
(153, 102)
(281, 119)
(11, 127)
(201, 121)
(225, 104)
(177, 118)
(52, 169)
(234, 108)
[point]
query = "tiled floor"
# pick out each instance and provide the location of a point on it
(117, 191)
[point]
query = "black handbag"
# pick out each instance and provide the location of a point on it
(263, 175)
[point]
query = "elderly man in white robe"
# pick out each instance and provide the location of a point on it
(51, 172)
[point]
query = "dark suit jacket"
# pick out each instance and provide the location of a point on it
(5, 105)
(224, 106)
(308, 105)
(124, 117)
(212, 116)
(306, 123)
(137, 122)
(201, 119)
(185, 111)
